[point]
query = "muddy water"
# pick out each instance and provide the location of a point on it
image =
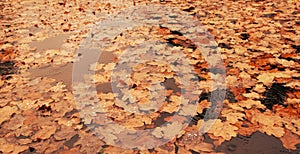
(64, 72)
(49, 43)
(61, 73)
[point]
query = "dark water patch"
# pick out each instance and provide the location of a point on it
(70, 143)
(297, 47)
(198, 117)
(257, 143)
(224, 45)
(7, 68)
(218, 96)
(276, 94)
(104, 87)
(170, 84)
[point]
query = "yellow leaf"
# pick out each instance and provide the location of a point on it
(272, 130)
(232, 117)
(158, 132)
(266, 79)
(250, 103)
(259, 88)
(223, 129)
(252, 95)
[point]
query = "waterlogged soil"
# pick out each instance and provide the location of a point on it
(43, 111)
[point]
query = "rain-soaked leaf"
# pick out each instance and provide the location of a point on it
(44, 133)
(7, 147)
(224, 130)
(258, 42)
(290, 140)
(6, 112)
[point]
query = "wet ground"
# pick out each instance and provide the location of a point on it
(257, 143)
(40, 46)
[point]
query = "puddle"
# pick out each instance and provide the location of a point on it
(59, 73)
(106, 57)
(34, 29)
(104, 87)
(64, 72)
(7, 68)
(257, 143)
(170, 84)
(70, 143)
(50, 43)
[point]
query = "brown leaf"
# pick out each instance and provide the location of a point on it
(183, 150)
(7, 147)
(6, 112)
(89, 143)
(201, 147)
(44, 133)
(290, 140)
(65, 132)
(217, 140)
(116, 150)
(70, 151)
(246, 128)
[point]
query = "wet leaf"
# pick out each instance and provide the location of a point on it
(6, 112)
(7, 147)
(44, 133)
(290, 140)
(223, 129)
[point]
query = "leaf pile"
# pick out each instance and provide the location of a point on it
(259, 42)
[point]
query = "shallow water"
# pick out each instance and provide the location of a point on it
(50, 43)
(61, 73)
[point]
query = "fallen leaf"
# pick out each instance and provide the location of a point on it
(7, 147)
(6, 112)
(201, 147)
(290, 140)
(266, 79)
(44, 133)
(223, 129)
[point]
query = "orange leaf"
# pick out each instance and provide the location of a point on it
(289, 140)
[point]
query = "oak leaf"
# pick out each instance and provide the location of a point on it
(223, 129)
(290, 140)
